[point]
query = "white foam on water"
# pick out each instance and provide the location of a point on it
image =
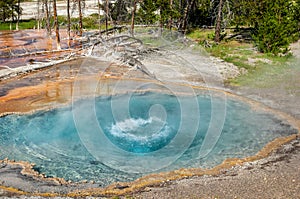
(137, 129)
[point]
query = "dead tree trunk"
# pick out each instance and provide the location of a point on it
(106, 15)
(48, 27)
(171, 19)
(69, 20)
(38, 15)
(187, 9)
(18, 19)
(80, 17)
(133, 17)
(56, 26)
(161, 25)
(99, 15)
(218, 23)
(12, 18)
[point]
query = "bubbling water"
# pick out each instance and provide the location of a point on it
(51, 141)
(134, 135)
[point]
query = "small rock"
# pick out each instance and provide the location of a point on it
(287, 149)
(147, 189)
(121, 186)
(2, 165)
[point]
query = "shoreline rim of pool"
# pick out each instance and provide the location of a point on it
(152, 179)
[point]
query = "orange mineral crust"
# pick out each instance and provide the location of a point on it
(51, 94)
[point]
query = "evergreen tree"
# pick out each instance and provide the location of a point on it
(275, 25)
(147, 14)
(120, 10)
(200, 15)
(163, 6)
(9, 9)
(185, 17)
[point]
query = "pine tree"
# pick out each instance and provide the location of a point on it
(146, 13)
(276, 25)
(9, 9)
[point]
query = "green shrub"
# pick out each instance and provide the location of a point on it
(276, 26)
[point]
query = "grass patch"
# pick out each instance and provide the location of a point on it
(201, 35)
(25, 24)
(235, 52)
(266, 74)
(90, 23)
(262, 68)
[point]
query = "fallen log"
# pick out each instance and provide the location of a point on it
(40, 53)
(12, 72)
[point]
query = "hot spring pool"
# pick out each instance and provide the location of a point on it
(123, 137)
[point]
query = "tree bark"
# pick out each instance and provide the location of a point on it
(69, 20)
(133, 17)
(38, 15)
(171, 19)
(80, 17)
(18, 19)
(56, 26)
(187, 9)
(99, 15)
(161, 25)
(12, 18)
(48, 27)
(219, 21)
(106, 17)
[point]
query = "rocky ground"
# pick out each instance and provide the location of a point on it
(278, 178)
(275, 177)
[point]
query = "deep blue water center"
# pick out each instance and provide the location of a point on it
(144, 124)
(136, 131)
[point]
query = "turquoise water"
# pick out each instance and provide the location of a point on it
(152, 130)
